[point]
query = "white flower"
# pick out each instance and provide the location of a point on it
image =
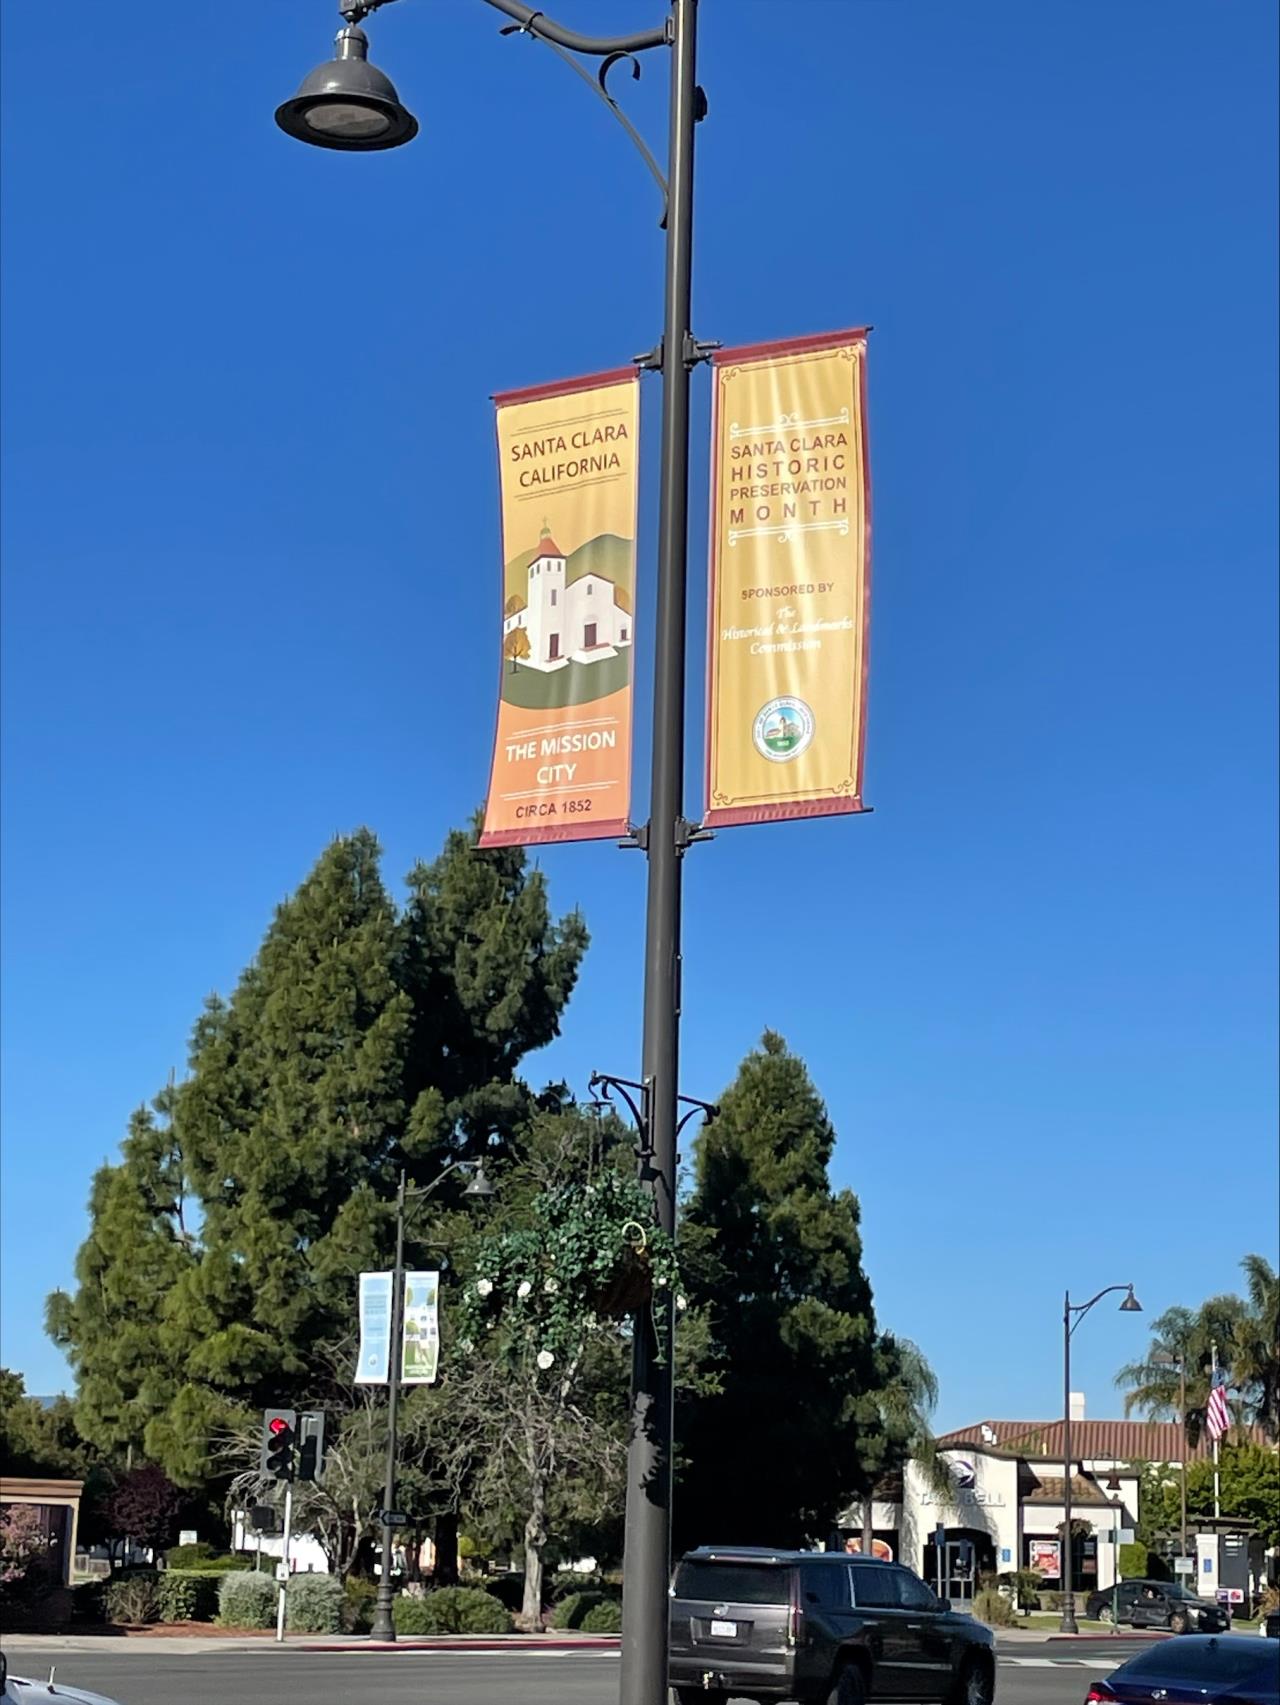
(545, 1359)
(484, 1286)
(681, 1305)
(551, 1286)
(523, 1288)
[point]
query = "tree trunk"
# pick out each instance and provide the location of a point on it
(868, 1524)
(535, 1538)
(446, 1538)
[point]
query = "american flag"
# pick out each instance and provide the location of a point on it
(1217, 1416)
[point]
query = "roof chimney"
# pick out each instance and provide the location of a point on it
(1077, 1406)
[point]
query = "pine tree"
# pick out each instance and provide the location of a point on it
(219, 1274)
(774, 1456)
(137, 1253)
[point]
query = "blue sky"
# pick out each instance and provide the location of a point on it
(250, 543)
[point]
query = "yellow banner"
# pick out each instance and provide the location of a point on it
(567, 457)
(790, 580)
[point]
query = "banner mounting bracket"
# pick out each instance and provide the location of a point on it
(687, 833)
(697, 349)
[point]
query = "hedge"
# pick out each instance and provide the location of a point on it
(569, 1613)
(313, 1604)
(450, 1610)
(603, 1618)
(133, 1598)
(247, 1600)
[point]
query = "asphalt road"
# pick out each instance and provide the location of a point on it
(1029, 1675)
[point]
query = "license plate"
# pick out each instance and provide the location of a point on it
(725, 1630)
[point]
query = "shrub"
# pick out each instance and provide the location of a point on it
(570, 1611)
(188, 1595)
(1133, 1562)
(313, 1604)
(450, 1610)
(247, 1600)
(188, 1556)
(604, 1618)
(88, 1602)
(359, 1595)
(566, 1581)
(507, 1589)
(993, 1608)
(1023, 1587)
(133, 1598)
(412, 1615)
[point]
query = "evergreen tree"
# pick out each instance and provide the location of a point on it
(777, 1452)
(137, 1253)
(357, 1043)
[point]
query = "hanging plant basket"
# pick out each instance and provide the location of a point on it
(629, 1288)
(592, 1254)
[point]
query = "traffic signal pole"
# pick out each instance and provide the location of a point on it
(284, 1584)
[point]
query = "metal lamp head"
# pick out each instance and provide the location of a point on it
(1130, 1305)
(348, 103)
(479, 1185)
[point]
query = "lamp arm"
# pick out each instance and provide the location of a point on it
(539, 24)
(1080, 1309)
(599, 47)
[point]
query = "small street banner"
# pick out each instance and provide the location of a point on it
(373, 1359)
(567, 460)
(421, 1340)
(790, 580)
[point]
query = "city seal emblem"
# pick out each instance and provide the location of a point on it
(782, 729)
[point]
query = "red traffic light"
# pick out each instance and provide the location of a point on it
(277, 1425)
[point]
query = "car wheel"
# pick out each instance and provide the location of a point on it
(1178, 1622)
(850, 1687)
(1106, 1614)
(975, 1685)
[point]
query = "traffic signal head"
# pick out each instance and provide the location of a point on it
(278, 1436)
(310, 1444)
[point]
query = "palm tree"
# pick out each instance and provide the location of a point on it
(1255, 1361)
(1246, 1334)
(904, 1402)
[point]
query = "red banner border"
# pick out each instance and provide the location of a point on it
(735, 815)
(565, 387)
(532, 837)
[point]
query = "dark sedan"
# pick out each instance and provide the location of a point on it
(1209, 1669)
(1158, 1604)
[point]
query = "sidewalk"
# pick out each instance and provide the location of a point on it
(135, 1643)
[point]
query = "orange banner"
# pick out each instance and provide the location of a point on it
(790, 580)
(567, 459)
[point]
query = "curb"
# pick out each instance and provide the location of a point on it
(460, 1643)
(1117, 1634)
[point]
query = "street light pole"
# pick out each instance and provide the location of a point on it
(1072, 1315)
(647, 1534)
(383, 1626)
(349, 104)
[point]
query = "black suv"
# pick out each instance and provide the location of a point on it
(820, 1627)
(1158, 1604)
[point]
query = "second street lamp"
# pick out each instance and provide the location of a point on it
(1072, 1314)
(478, 1187)
(350, 105)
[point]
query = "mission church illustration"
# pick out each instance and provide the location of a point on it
(581, 621)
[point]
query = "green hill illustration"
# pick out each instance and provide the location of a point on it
(567, 622)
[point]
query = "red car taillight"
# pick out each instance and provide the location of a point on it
(1099, 1694)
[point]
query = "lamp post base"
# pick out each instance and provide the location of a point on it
(1069, 1625)
(383, 1626)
